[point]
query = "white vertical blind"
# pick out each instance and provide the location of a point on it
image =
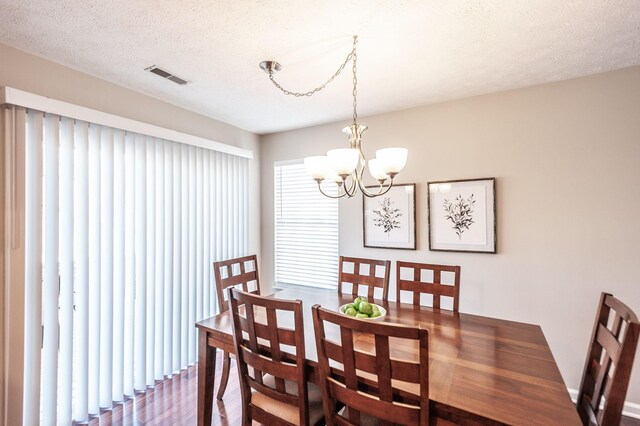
(81, 279)
(33, 266)
(66, 270)
(122, 231)
(306, 229)
(50, 283)
(117, 391)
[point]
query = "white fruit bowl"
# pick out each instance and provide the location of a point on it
(383, 313)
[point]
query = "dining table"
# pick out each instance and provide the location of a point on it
(482, 370)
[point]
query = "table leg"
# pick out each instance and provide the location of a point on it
(206, 379)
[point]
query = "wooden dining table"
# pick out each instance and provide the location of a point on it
(481, 370)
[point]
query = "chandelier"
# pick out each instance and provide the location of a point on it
(345, 166)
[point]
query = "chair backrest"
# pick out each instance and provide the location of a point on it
(609, 361)
(435, 286)
(242, 271)
(258, 337)
(367, 278)
(394, 390)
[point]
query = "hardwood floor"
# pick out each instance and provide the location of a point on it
(174, 402)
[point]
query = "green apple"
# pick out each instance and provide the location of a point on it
(349, 305)
(359, 315)
(356, 303)
(366, 307)
(375, 308)
(351, 312)
(375, 314)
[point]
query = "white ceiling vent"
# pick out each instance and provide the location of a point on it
(166, 74)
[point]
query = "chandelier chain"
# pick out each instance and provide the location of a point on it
(350, 56)
(355, 80)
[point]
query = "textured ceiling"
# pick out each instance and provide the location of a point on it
(411, 52)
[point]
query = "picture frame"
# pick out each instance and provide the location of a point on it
(389, 220)
(462, 215)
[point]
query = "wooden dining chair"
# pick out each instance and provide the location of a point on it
(434, 286)
(608, 367)
(368, 278)
(366, 375)
(275, 391)
(242, 272)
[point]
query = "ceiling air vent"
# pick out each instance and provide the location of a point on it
(166, 74)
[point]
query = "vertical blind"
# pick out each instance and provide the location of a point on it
(121, 231)
(306, 229)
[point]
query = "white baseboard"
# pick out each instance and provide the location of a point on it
(630, 409)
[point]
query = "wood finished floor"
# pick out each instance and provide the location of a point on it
(174, 402)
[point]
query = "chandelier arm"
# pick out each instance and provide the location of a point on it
(328, 195)
(353, 185)
(350, 56)
(383, 190)
(359, 172)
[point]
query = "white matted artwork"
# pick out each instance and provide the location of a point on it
(462, 215)
(389, 220)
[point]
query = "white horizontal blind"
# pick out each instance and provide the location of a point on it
(306, 229)
(123, 229)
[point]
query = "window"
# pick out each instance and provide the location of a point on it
(306, 229)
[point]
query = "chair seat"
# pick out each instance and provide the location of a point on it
(365, 419)
(285, 411)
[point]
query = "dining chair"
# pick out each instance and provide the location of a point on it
(275, 390)
(434, 285)
(371, 378)
(368, 278)
(241, 271)
(608, 366)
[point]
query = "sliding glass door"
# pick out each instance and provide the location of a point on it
(121, 230)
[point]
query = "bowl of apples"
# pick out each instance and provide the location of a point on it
(361, 308)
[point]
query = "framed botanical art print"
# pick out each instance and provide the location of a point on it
(389, 220)
(462, 215)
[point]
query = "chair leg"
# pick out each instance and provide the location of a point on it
(224, 378)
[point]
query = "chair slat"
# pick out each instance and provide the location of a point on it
(268, 366)
(430, 288)
(285, 336)
(608, 342)
(383, 367)
(392, 412)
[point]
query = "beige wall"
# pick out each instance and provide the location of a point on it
(42, 77)
(567, 161)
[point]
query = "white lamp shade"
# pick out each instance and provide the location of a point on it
(392, 160)
(333, 176)
(344, 160)
(376, 170)
(317, 166)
